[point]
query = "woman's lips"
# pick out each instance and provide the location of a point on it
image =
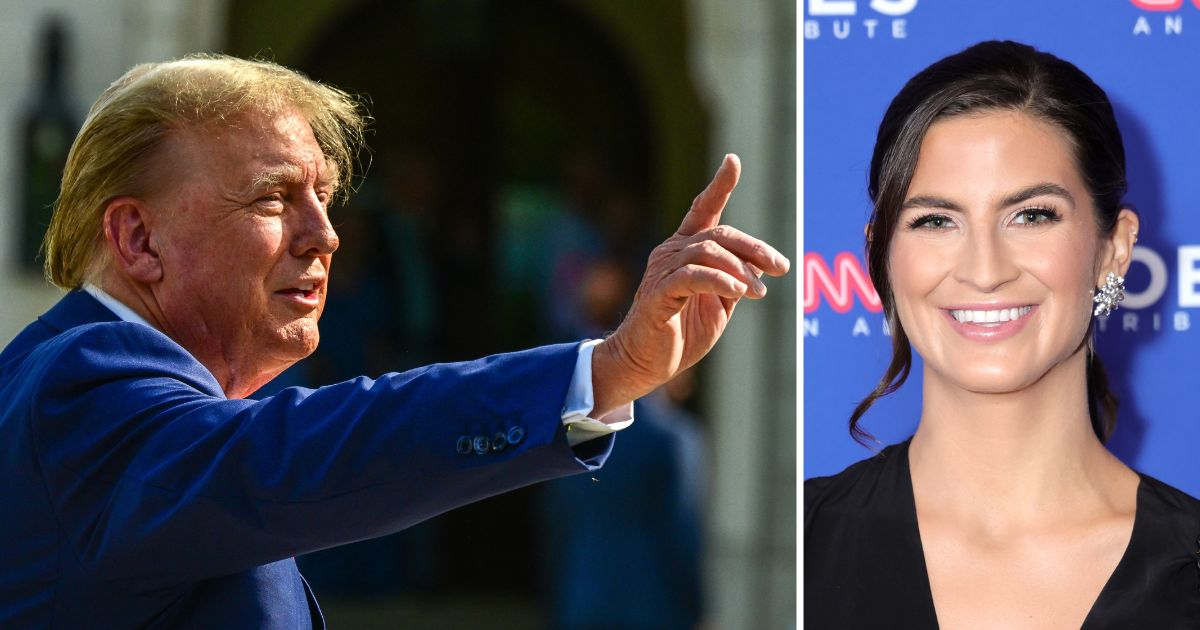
(989, 324)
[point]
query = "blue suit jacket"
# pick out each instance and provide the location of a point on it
(134, 494)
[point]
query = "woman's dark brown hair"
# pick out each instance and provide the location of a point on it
(994, 75)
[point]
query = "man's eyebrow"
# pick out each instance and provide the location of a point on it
(1025, 194)
(287, 172)
(276, 175)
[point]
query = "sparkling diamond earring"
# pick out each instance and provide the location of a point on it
(1110, 295)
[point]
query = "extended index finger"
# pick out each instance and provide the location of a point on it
(706, 208)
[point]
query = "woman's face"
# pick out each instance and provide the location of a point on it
(997, 251)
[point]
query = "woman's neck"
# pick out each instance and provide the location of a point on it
(1011, 459)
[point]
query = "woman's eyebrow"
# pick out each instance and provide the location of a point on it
(929, 201)
(1037, 190)
(1025, 194)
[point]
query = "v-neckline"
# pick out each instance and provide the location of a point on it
(910, 497)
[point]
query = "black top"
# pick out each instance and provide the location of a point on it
(864, 566)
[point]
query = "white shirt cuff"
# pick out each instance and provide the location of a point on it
(580, 402)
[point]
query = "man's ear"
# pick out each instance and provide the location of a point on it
(1117, 252)
(127, 228)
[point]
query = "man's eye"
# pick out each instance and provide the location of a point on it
(931, 222)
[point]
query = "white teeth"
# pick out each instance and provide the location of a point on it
(306, 287)
(987, 317)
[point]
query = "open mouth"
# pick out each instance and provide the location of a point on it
(992, 316)
(306, 291)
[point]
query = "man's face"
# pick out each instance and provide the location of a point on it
(240, 225)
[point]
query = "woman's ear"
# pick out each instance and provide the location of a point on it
(1117, 252)
(127, 230)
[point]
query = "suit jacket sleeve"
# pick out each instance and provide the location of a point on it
(157, 479)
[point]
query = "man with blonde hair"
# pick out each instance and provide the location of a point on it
(143, 489)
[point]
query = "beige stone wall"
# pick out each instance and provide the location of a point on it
(106, 37)
(744, 57)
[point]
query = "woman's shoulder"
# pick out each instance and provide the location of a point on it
(1170, 497)
(1173, 514)
(1157, 583)
(862, 484)
(862, 558)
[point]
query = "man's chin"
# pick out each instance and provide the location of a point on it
(297, 340)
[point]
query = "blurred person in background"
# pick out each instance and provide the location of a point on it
(622, 548)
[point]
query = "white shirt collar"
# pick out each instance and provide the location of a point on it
(113, 304)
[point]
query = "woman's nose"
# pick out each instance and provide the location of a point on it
(984, 262)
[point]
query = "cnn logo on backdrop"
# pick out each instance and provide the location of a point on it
(839, 285)
(1161, 5)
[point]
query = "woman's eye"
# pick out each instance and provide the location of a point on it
(1035, 216)
(932, 222)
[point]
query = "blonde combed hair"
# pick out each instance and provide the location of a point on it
(111, 155)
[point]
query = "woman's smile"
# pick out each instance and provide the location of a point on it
(989, 323)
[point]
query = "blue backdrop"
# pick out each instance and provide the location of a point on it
(1146, 55)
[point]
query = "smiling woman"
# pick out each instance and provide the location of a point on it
(998, 220)
(998, 181)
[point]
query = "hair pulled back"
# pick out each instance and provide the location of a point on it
(993, 75)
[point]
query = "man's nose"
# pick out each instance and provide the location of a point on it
(314, 234)
(985, 262)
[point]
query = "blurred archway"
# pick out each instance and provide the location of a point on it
(498, 125)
